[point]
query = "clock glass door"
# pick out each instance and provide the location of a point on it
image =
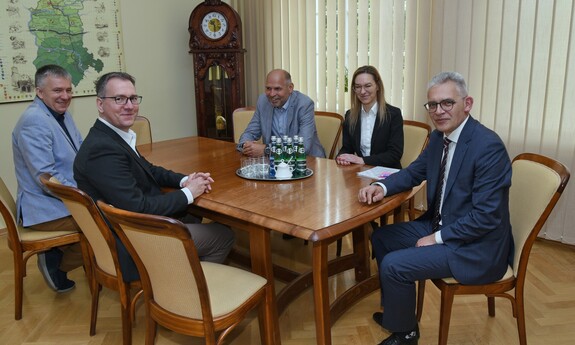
(218, 104)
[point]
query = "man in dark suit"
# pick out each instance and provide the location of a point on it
(108, 167)
(466, 231)
(281, 111)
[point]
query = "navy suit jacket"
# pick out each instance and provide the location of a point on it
(386, 139)
(300, 121)
(475, 212)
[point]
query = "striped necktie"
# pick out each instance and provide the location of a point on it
(439, 190)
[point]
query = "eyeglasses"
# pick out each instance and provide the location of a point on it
(357, 88)
(123, 100)
(446, 105)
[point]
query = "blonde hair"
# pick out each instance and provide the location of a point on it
(356, 104)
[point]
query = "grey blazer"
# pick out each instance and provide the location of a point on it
(300, 121)
(39, 145)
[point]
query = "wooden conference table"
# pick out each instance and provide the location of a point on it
(321, 209)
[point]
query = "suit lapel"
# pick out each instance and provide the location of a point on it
(56, 125)
(108, 131)
(459, 154)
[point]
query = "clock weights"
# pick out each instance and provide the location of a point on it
(216, 46)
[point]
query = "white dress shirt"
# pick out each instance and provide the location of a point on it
(367, 124)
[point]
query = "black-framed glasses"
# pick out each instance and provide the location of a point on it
(446, 105)
(123, 100)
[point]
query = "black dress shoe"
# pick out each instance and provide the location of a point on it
(402, 338)
(378, 318)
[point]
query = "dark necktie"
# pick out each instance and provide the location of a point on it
(60, 119)
(439, 190)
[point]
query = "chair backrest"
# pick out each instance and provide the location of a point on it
(536, 186)
(415, 139)
(329, 127)
(143, 130)
(166, 257)
(8, 211)
(241, 117)
(90, 220)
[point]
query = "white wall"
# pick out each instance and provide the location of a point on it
(156, 38)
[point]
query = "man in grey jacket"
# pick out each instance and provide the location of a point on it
(281, 111)
(45, 140)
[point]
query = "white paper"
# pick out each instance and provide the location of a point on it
(377, 173)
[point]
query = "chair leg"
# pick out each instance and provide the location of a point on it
(411, 209)
(126, 323)
(150, 329)
(520, 307)
(95, 287)
(18, 287)
(491, 306)
(445, 317)
(420, 297)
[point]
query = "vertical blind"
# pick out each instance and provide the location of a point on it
(517, 56)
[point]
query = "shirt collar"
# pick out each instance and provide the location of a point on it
(372, 111)
(129, 137)
(57, 116)
(454, 136)
(286, 104)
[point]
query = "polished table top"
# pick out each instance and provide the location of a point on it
(319, 207)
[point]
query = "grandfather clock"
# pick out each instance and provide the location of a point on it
(216, 45)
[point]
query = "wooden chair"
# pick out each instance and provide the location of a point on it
(240, 118)
(329, 127)
(415, 139)
(537, 184)
(143, 130)
(181, 293)
(25, 242)
(99, 251)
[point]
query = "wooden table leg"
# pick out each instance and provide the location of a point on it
(361, 237)
(321, 293)
(260, 252)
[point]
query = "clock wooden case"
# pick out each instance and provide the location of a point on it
(216, 45)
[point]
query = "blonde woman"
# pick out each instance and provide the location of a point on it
(373, 129)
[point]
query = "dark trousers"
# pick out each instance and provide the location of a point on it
(400, 265)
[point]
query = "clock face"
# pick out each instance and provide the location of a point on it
(214, 25)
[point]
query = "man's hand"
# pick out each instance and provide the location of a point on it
(347, 159)
(371, 194)
(253, 149)
(199, 183)
(428, 240)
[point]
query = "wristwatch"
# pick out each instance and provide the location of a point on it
(267, 151)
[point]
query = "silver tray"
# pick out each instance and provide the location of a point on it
(260, 172)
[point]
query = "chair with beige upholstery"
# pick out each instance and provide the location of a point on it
(536, 186)
(181, 293)
(143, 130)
(25, 243)
(240, 118)
(415, 139)
(329, 127)
(99, 251)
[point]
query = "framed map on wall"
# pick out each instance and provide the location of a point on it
(83, 36)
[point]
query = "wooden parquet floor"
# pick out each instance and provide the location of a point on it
(50, 318)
